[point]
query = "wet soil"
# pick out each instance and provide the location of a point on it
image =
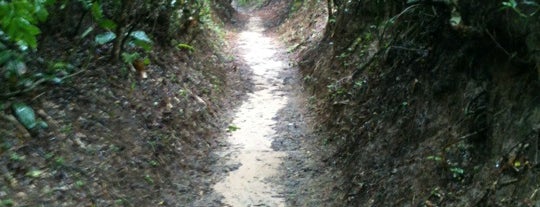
(266, 128)
(161, 141)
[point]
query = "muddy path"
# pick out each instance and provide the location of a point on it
(259, 140)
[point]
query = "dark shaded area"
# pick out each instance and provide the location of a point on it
(417, 110)
(415, 103)
(113, 137)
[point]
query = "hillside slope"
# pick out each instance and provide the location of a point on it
(425, 103)
(115, 138)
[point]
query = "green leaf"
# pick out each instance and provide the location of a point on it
(4, 9)
(7, 203)
(25, 114)
(23, 32)
(232, 128)
(56, 80)
(16, 67)
(97, 13)
(86, 3)
(145, 45)
(105, 38)
(31, 29)
(148, 179)
(513, 3)
(107, 24)
(141, 35)
(41, 13)
(5, 56)
(42, 124)
(141, 39)
(436, 158)
(186, 47)
(60, 66)
(19, 18)
(146, 61)
(529, 2)
(16, 157)
(457, 170)
(510, 3)
(130, 57)
(34, 173)
(79, 183)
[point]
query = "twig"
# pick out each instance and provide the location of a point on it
(357, 72)
(15, 93)
(498, 44)
(533, 194)
(395, 18)
(462, 138)
(35, 85)
(36, 97)
(508, 182)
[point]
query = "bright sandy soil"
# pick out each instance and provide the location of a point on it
(252, 183)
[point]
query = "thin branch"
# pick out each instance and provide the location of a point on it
(34, 86)
(498, 44)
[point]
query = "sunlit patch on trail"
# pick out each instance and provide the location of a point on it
(251, 184)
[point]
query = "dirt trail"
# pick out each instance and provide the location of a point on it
(253, 183)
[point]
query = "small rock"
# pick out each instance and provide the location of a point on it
(232, 167)
(21, 195)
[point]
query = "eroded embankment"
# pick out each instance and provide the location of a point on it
(425, 111)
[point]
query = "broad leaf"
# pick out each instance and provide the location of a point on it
(145, 45)
(141, 35)
(5, 56)
(107, 24)
(16, 67)
(142, 40)
(25, 114)
(105, 38)
(41, 12)
(130, 57)
(96, 11)
(56, 80)
(86, 3)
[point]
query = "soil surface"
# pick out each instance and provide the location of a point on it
(250, 138)
(161, 141)
(266, 127)
(116, 139)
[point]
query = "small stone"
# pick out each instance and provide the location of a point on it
(21, 195)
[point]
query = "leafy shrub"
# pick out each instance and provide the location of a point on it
(19, 21)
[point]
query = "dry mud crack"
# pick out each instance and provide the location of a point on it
(256, 147)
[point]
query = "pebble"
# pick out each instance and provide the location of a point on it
(21, 195)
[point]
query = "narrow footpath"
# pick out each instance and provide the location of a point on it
(255, 125)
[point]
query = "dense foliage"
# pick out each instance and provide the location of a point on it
(86, 30)
(113, 27)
